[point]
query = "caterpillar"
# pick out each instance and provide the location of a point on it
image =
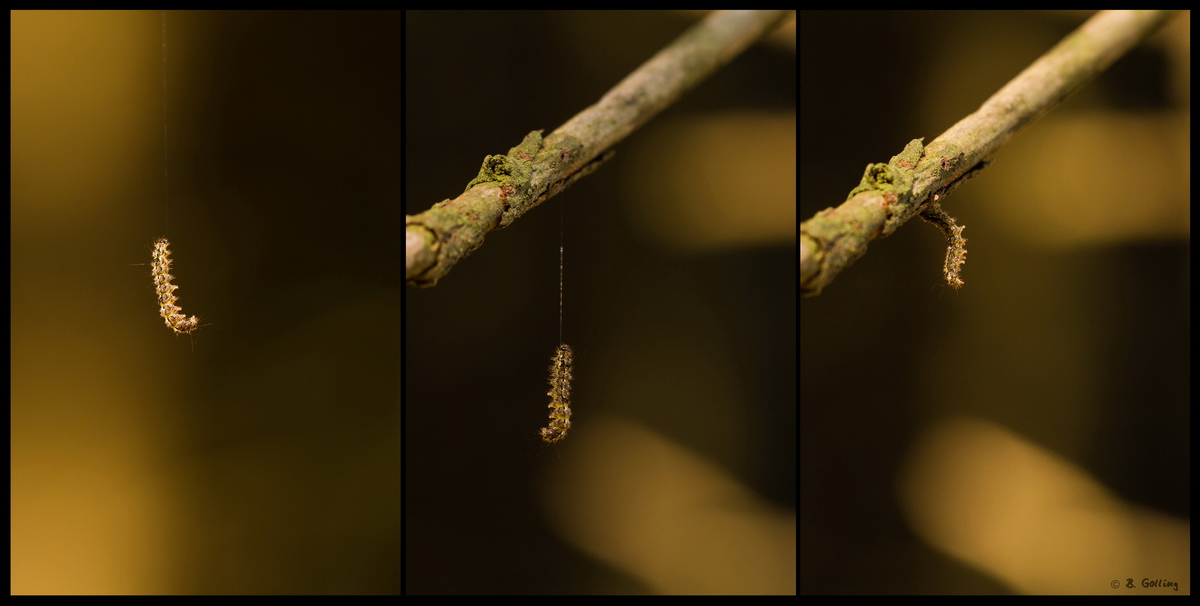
(170, 312)
(956, 255)
(560, 395)
(956, 251)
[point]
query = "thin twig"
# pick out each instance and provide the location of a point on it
(510, 185)
(835, 238)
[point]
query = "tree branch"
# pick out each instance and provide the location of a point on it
(891, 194)
(510, 185)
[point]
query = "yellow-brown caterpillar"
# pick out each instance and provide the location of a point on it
(170, 312)
(956, 251)
(560, 395)
(956, 255)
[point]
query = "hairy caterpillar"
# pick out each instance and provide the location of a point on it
(170, 312)
(956, 255)
(956, 251)
(560, 395)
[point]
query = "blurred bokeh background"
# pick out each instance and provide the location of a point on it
(261, 455)
(1029, 432)
(680, 274)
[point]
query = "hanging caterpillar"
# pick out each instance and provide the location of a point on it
(956, 255)
(956, 251)
(170, 312)
(560, 395)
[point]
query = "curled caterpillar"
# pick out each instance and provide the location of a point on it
(560, 395)
(170, 312)
(956, 251)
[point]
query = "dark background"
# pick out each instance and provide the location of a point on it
(479, 343)
(261, 455)
(1080, 347)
